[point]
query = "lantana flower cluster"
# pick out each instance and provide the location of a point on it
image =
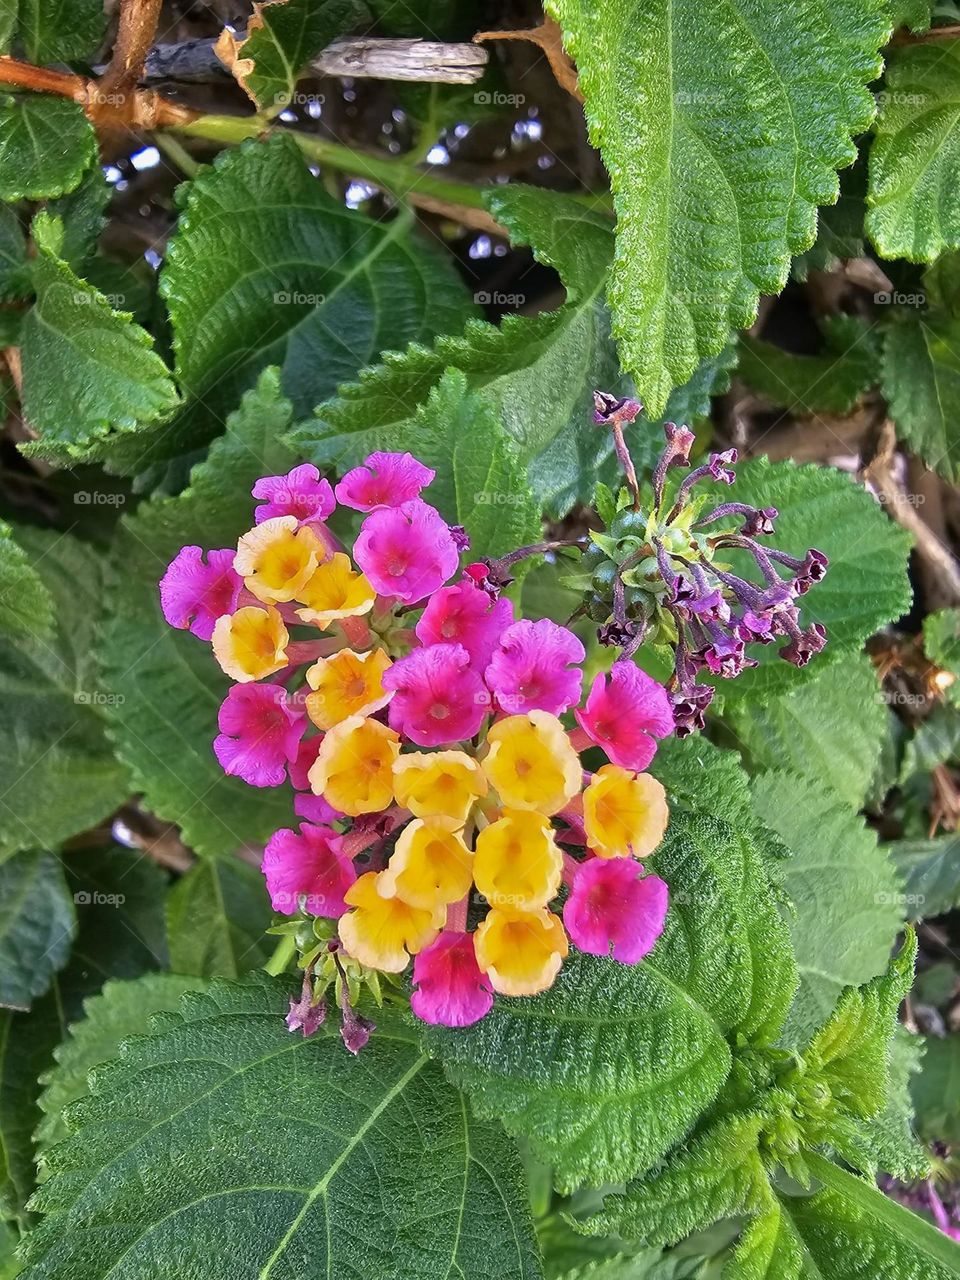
(433, 740)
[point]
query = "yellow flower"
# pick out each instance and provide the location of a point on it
(251, 643)
(520, 951)
(383, 933)
(518, 863)
(443, 783)
(531, 763)
(276, 559)
(430, 866)
(336, 590)
(624, 814)
(347, 684)
(353, 770)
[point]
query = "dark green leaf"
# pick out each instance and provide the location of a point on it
(14, 278)
(26, 606)
(46, 143)
(920, 377)
(930, 871)
(61, 30)
(37, 924)
(936, 1090)
(829, 383)
(217, 916)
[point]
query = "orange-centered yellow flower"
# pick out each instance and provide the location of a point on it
(383, 933)
(624, 813)
(430, 866)
(251, 643)
(347, 684)
(353, 770)
(520, 951)
(277, 559)
(518, 863)
(336, 590)
(442, 783)
(531, 763)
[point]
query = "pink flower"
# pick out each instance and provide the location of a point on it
(313, 808)
(449, 988)
(384, 480)
(260, 732)
(439, 697)
(309, 867)
(193, 595)
(624, 713)
(406, 552)
(613, 905)
(463, 614)
(534, 668)
(299, 493)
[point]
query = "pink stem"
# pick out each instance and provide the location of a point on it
(457, 915)
(357, 632)
(570, 868)
(300, 651)
(580, 740)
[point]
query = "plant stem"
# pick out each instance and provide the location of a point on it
(284, 952)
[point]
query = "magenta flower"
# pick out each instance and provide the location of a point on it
(439, 697)
(384, 480)
(613, 908)
(301, 493)
(449, 988)
(463, 614)
(534, 668)
(406, 552)
(260, 732)
(193, 595)
(625, 712)
(310, 868)
(307, 805)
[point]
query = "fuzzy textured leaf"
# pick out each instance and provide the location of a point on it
(930, 871)
(61, 30)
(920, 378)
(720, 141)
(217, 915)
(349, 1199)
(46, 143)
(26, 606)
(846, 898)
(37, 924)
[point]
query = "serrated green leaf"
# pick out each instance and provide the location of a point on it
(839, 227)
(170, 683)
(217, 915)
(719, 1174)
(341, 1182)
(851, 1231)
(60, 776)
(913, 210)
(914, 14)
(920, 378)
(82, 213)
(283, 37)
(866, 584)
(563, 232)
(888, 1142)
(27, 1041)
(829, 383)
(37, 924)
(46, 143)
(829, 730)
(770, 1249)
(61, 30)
(121, 1009)
(26, 606)
(846, 898)
(936, 1090)
(267, 268)
(581, 1070)
(713, 192)
(930, 871)
(936, 741)
(90, 374)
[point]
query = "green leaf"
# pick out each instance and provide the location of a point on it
(61, 30)
(340, 1184)
(90, 374)
(9, 1266)
(82, 213)
(720, 140)
(770, 1249)
(217, 915)
(852, 1231)
(37, 924)
(936, 1088)
(829, 383)
(888, 1141)
(930, 872)
(27, 1041)
(46, 143)
(609, 1069)
(14, 277)
(60, 776)
(846, 898)
(913, 211)
(282, 40)
(920, 378)
(169, 682)
(267, 268)
(26, 606)
(866, 584)
(935, 742)
(839, 228)
(122, 1009)
(914, 14)
(718, 1175)
(941, 644)
(829, 730)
